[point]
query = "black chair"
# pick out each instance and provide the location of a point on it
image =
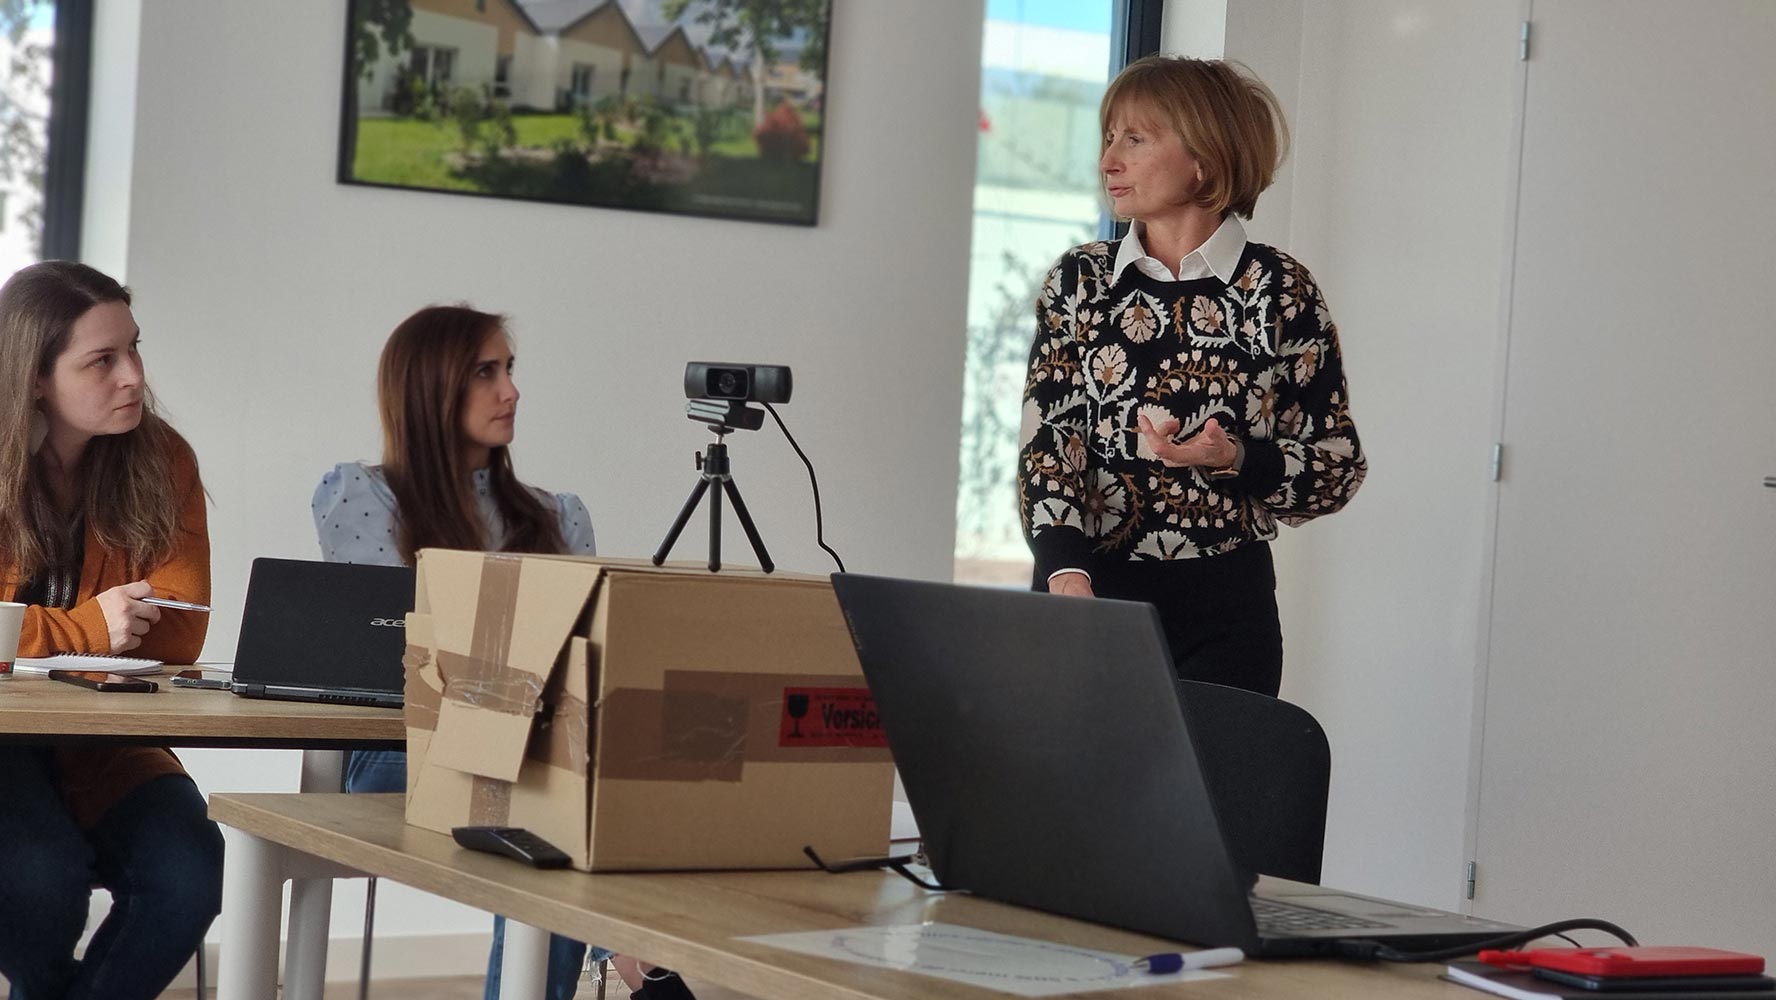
(1268, 767)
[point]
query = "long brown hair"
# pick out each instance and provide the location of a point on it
(122, 478)
(421, 381)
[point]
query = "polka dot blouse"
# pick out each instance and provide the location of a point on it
(354, 515)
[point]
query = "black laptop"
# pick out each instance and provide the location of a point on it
(1048, 761)
(317, 631)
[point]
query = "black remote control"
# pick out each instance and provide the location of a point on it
(513, 842)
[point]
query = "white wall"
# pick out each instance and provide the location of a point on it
(265, 290)
(1395, 198)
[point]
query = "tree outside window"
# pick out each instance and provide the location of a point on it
(27, 36)
(1044, 67)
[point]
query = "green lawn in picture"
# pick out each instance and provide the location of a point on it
(407, 152)
(416, 153)
(547, 130)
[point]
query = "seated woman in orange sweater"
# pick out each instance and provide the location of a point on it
(100, 506)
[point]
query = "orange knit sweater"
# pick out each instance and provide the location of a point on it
(95, 778)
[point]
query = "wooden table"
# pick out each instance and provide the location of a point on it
(37, 711)
(691, 921)
(40, 711)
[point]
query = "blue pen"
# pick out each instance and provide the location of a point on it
(1171, 961)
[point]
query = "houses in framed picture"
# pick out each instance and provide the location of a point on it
(697, 107)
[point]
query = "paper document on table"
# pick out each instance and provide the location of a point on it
(1020, 966)
(86, 661)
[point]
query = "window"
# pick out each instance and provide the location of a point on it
(436, 67)
(502, 77)
(444, 67)
(581, 88)
(45, 52)
(1044, 66)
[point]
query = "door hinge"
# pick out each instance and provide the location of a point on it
(1498, 461)
(1473, 876)
(1523, 43)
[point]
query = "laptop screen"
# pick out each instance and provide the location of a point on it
(325, 626)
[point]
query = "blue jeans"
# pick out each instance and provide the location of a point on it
(155, 850)
(386, 771)
(375, 771)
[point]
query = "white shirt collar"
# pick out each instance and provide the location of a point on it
(1218, 257)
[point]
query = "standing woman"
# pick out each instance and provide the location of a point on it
(1186, 391)
(100, 506)
(449, 409)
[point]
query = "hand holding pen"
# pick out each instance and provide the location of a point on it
(131, 609)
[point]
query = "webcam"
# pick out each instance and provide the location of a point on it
(742, 383)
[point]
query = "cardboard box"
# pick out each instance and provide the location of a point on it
(641, 718)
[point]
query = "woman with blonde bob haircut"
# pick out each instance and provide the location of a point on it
(100, 507)
(1186, 388)
(1227, 119)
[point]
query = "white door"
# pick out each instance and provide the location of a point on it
(1628, 762)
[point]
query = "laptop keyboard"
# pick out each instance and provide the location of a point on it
(1279, 919)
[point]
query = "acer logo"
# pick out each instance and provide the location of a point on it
(389, 622)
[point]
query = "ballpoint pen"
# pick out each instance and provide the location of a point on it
(167, 602)
(1171, 961)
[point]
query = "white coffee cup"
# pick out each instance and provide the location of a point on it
(12, 619)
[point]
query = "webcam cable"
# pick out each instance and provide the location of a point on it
(819, 530)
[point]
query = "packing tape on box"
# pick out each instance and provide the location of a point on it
(490, 802)
(481, 677)
(490, 685)
(559, 739)
(422, 693)
(707, 725)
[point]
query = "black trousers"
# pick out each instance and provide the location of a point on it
(1219, 612)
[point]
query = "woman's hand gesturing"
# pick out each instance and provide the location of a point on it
(1209, 448)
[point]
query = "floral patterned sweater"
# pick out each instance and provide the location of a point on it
(1259, 355)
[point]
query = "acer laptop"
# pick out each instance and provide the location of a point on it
(1047, 758)
(317, 631)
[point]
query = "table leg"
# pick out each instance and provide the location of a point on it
(311, 899)
(252, 898)
(524, 970)
(323, 771)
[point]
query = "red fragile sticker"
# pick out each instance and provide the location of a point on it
(830, 717)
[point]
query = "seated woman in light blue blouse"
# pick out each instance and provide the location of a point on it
(449, 407)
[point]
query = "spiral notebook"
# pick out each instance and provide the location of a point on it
(86, 661)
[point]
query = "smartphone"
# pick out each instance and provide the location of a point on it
(99, 680)
(196, 679)
(1654, 961)
(1693, 984)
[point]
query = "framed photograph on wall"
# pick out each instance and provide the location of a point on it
(694, 107)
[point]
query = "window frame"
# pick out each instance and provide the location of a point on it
(1136, 28)
(1135, 31)
(67, 130)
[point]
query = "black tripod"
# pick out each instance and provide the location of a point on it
(713, 464)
